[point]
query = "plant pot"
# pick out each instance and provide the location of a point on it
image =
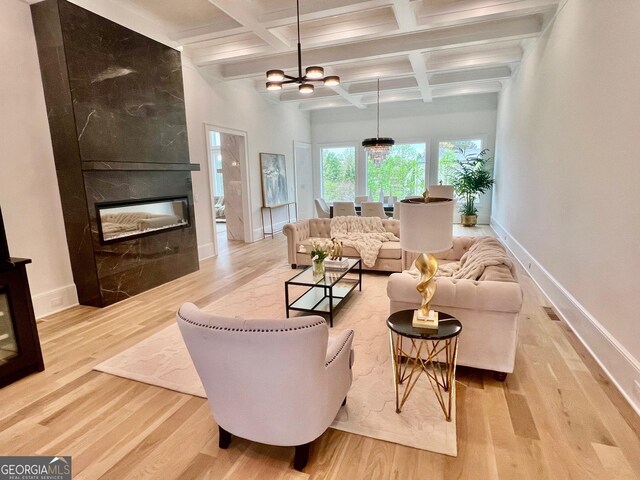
(468, 220)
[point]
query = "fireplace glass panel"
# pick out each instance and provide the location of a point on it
(8, 345)
(121, 221)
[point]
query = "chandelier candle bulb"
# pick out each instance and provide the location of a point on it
(275, 75)
(314, 73)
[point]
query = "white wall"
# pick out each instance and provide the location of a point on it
(567, 174)
(28, 186)
(444, 118)
(270, 128)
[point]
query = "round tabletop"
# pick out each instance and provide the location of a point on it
(401, 323)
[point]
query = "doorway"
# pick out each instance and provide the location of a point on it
(227, 164)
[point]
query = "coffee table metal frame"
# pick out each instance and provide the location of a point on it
(325, 293)
(440, 347)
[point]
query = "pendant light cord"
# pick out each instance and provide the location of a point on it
(378, 130)
(299, 47)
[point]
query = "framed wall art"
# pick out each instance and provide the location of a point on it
(273, 170)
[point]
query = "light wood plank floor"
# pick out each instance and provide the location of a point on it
(556, 417)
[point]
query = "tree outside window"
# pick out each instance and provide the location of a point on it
(448, 156)
(402, 173)
(338, 174)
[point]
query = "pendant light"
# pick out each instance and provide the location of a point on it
(277, 78)
(378, 148)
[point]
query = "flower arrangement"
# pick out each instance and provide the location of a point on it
(319, 251)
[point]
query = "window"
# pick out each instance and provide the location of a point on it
(401, 174)
(448, 154)
(338, 173)
(216, 159)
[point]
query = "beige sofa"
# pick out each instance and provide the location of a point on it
(303, 232)
(488, 309)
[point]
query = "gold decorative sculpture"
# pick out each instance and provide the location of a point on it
(428, 266)
(336, 249)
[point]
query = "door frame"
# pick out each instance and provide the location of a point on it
(244, 179)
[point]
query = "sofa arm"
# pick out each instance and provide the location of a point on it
(295, 233)
(459, 293)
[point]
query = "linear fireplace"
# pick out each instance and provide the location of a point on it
(117, 138)
(119, 221)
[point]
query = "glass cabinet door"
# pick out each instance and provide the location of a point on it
(8, 344)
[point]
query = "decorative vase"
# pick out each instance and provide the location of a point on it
(318, 268)
(468, 220)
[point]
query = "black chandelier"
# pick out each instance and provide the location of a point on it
(276, 78)
(378, 148)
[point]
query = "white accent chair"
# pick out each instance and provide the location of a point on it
(441, 191)
(373, 209)
(279, 382)
(322, 208)
(361, 198)
(344, 209)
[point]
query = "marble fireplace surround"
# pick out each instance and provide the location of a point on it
(115, 104)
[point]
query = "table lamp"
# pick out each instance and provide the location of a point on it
(426, 227)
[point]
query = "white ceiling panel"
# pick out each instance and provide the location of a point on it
(420, 49)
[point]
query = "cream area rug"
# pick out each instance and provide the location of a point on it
(163, 360)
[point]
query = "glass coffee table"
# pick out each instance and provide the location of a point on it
(325, 293)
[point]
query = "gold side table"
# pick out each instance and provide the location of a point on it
(432, 352)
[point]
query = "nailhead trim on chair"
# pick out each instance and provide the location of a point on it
(227, 329)
(340, 349)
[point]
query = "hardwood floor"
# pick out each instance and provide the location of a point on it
(556, 417)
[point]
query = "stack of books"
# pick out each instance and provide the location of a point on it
(336, 264)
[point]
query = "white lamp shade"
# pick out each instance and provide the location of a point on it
(426, 227)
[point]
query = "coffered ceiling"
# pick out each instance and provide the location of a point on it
(420, 49)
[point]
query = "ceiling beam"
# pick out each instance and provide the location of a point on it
(243, 12)
(316, 10)
(420, 72)
(404, 14)
(466, 76)
(464, 58)
(477, 33)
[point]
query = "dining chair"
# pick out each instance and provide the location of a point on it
(441, 191)
(361, 198)
(344, 209)
(373, 209)
(322, 208)
(396, 210)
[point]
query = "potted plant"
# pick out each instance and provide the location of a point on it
(470, 179)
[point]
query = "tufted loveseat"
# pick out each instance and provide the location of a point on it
(303, 232)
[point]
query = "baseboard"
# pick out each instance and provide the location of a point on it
(616, 361)
(277, 227)
(205, 251)
(54, 300)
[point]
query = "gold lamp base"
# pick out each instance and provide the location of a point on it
(430, 321)
(425, 317)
